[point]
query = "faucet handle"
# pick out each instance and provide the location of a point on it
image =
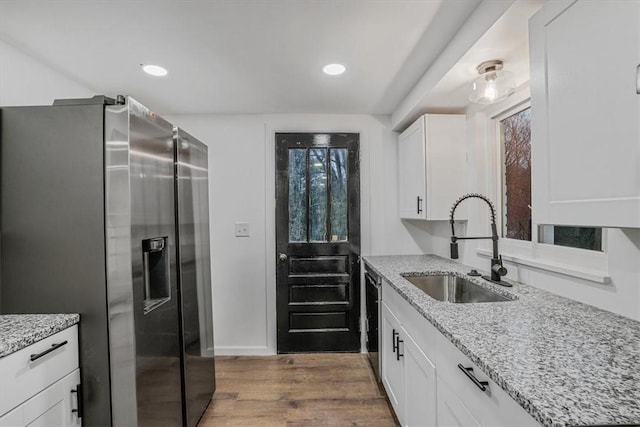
(498, 268)
(454, 250)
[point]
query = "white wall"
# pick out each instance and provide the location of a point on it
(27, 81)
(242, 188)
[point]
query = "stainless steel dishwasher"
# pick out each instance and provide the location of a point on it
(373, 294)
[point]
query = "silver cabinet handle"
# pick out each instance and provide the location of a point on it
(282, 257)
(638, 79)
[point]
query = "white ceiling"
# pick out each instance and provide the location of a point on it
(507, 39)
(243, 56)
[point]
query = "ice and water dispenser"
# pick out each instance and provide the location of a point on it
(157, 280)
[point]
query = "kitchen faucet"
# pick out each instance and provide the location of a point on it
(497, 269)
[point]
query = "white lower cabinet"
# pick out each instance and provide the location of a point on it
(491, 406)
(53, 406)
(408, 375)
(392, 375)
(451, 411)
(424, 375)
(42, 392)
(420, 385)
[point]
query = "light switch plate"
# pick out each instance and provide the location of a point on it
(242, 229)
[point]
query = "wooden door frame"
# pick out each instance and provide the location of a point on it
(305, 124)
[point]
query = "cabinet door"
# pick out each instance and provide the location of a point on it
(451, 412)
(446, 165)
(14, 418)
(392, 369)
(586, 113)
(420, 381)
(53, 416)
(412, 171)
(53, 406)
(70, 389)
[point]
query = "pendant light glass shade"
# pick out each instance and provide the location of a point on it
(493, 85)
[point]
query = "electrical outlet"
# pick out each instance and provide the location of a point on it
(242, 229)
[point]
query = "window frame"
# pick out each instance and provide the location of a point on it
(562, 259)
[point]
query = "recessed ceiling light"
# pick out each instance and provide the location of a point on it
(334, 69)
(154, 70)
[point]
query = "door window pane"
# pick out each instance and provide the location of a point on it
(516, 139)
(298, 195)
(339, 228)
(318, 194)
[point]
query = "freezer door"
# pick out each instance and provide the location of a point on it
(142, 274)
(53, 241)
(195, 274)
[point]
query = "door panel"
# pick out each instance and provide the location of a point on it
(317, 242)
(318, 265)
(301, 294)
(194, 271)
(153, 249)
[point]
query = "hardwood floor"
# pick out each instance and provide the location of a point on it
(327, 389)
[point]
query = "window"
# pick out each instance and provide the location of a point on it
(515, 132)
(576, 237)
(514, 129)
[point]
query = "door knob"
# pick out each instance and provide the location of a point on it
(283, 257)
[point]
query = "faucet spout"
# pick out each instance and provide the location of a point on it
(497, 268)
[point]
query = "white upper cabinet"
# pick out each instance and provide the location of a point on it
(432, 165)
(585, 101)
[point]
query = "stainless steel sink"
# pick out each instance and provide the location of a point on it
(454, 289)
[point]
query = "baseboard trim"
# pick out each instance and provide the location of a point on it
(242, 351)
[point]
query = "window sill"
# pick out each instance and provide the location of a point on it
(600, 277)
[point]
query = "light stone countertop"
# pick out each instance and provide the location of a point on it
(564, 362)
(17, 331)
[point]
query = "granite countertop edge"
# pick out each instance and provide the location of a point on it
(18, 331)
(430, 266)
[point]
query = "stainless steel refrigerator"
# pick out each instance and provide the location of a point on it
(104, 212)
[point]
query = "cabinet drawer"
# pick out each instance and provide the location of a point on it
(22, 378)
(420, 329)
(493, 407)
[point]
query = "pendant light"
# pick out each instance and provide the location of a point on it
(493, 85)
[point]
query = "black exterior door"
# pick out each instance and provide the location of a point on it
(317, 242)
